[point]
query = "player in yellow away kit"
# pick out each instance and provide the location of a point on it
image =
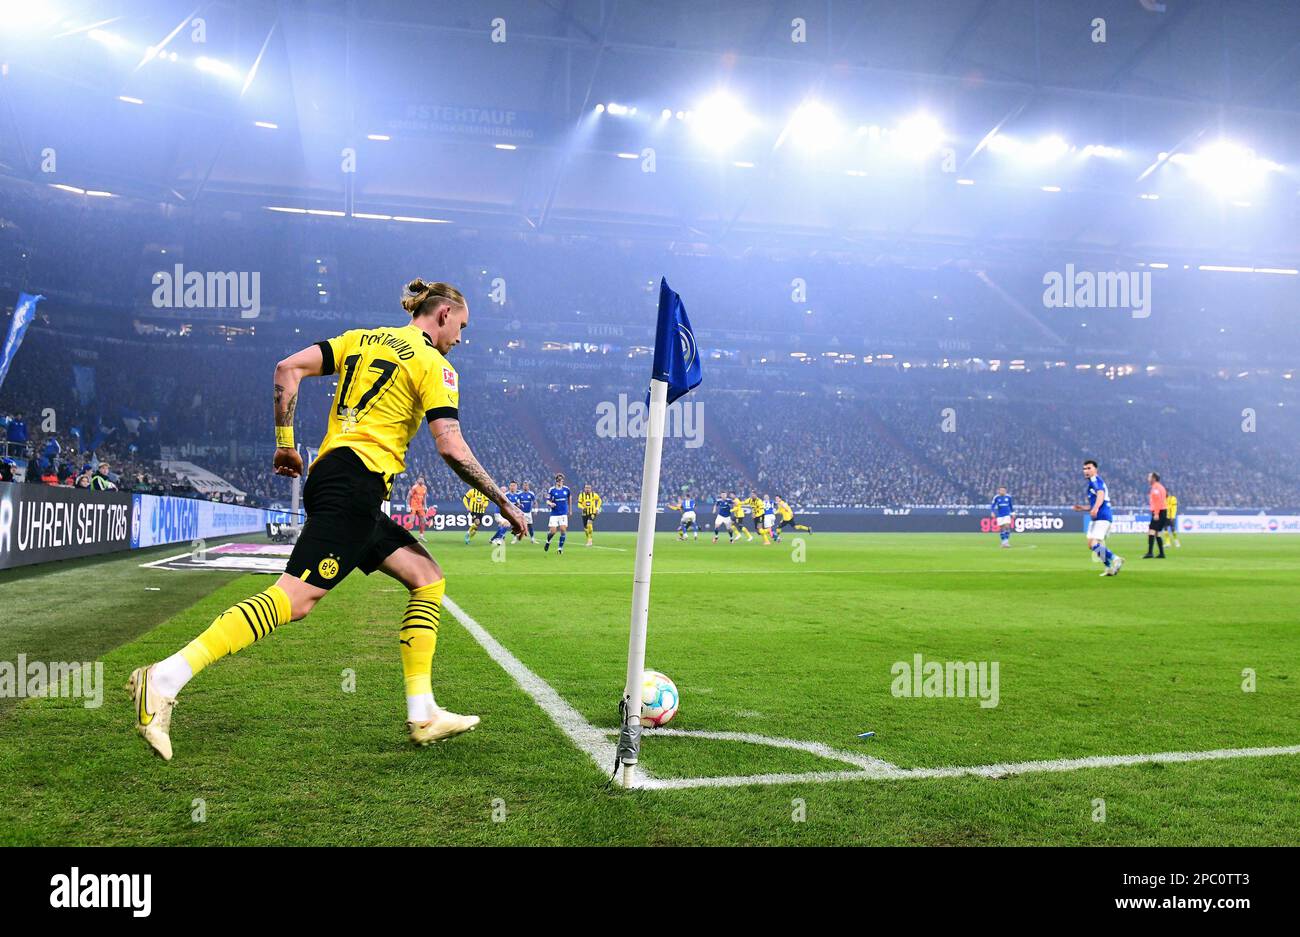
(589, 503)
(477, 504)
(756, 509)
(390, 381)
(1172, 506)
(738, 520)
(786, 518)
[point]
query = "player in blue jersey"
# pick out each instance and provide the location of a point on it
(503, 527)
(1098, 508)
(1004, 515)
(527, 498)
(686, 505)
(766, 520)
(722, 506)
(557, 499)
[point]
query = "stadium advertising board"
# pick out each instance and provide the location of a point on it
(1239, 523)
(39, 523)
(1125, 523)
(157, 520)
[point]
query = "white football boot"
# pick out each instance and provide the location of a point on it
(153, 711)
(443, 725)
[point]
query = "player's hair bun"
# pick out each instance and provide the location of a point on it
(418, 292)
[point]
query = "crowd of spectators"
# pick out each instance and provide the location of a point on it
(918, 437)
(91, 386)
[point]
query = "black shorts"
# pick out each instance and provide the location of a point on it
(588, 519)
(1160, 521)
(345, 528)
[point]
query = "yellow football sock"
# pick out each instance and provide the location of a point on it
(238, 627)
(419, 636)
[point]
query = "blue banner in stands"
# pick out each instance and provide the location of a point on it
(24, 312)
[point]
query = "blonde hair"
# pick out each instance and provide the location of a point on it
(418, 292)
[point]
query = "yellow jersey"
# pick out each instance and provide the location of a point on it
(475, 501)
(1171, 506)
(756, 506)
(390, 381)
(784, 510)
(738, 508)
(589, 502)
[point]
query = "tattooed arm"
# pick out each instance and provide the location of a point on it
(289, 373)
(456, 453)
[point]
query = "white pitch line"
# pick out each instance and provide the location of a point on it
(1102, 761)
(812, 748)
(166, 559)
(595, 741)
(582, 733)
(886, 772)
(792, 572)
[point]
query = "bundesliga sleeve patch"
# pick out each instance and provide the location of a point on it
(449, 378)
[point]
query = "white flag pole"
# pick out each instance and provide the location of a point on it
(645, 534)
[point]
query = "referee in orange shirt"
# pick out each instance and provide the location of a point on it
(1159, 517)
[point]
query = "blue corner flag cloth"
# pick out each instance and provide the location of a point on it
(677, 357)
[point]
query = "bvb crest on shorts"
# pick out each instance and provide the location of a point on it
(329, 568)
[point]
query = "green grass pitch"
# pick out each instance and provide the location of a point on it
(272, 749)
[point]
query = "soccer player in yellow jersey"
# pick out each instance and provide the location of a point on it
(738, 518)
(786, 517)
(755, 505)
(390, 380)
(589, 503)
(1171, 505)
(477, 504)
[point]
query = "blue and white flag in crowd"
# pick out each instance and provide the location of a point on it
(24, 313)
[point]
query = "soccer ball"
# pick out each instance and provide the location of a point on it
(659, 699)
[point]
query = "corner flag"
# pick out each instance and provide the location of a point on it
(676, 372)
(677, 359)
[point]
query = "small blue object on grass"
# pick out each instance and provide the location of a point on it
(865, 735)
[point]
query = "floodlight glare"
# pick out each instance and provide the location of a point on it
(1225, 167)
(918, 136)
(814, 127)
(104, 38)
(22, 17)
(215, 67)
(1105, 152)
(1046, 150)
(720, 121)
(1001, 143)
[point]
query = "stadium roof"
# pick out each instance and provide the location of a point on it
(992, 123)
